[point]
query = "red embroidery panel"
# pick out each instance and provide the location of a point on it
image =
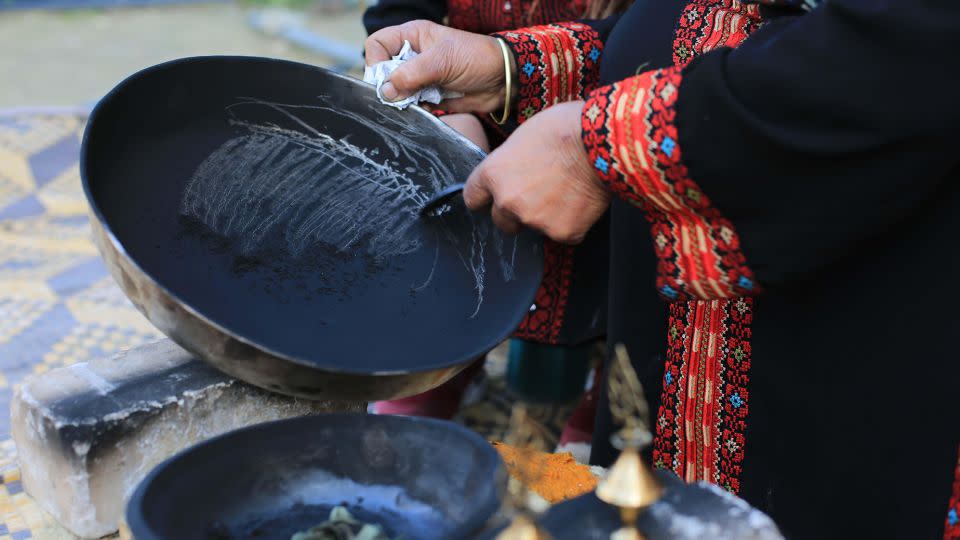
(706, 25)
(951, 527)
(555, 63)
(544, 322)
(630, 132)
(701, 422)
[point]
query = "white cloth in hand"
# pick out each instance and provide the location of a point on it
(379, 73)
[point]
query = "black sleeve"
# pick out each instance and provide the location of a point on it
(823, 132)
(387, 13)
(603, 27)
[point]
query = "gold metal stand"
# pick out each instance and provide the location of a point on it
(630, 485)
(523, 527)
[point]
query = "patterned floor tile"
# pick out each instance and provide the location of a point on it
(54, 160)
(63, 196)
(29, 134)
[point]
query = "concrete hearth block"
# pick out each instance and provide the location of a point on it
(87, 434)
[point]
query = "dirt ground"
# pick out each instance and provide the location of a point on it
(72, 58)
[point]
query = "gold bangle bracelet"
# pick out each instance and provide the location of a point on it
(509, 84)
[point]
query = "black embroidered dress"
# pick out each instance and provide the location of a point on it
(779, 254)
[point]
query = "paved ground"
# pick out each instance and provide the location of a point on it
(68, 58)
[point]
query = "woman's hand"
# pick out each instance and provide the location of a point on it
(470, 127)
(541, 178)
(452, 59)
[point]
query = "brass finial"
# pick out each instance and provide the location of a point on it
(523, 527)
(629, 485)
(523, 435)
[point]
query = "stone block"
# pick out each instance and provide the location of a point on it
(86, 434)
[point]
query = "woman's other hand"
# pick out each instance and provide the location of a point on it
(470, 127)
(471, 64)
(541, 178)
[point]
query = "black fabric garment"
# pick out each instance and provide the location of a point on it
(828, 139)
(387, 13)
(628, 52)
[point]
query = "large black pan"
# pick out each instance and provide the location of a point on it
(420, 479)
(264, 215)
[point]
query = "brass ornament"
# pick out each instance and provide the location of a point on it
(523, 527)
(629, 485)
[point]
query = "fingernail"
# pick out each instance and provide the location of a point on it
(388, 91)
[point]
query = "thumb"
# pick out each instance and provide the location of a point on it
(426, 69)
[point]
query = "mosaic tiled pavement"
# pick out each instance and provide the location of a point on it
(58, 305)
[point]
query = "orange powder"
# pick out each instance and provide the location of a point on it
(561, 478)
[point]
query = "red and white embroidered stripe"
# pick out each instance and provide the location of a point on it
(706, 25)
(631, 136)
(701, 422)
(555, 63)
(630, 132)
(951, 526)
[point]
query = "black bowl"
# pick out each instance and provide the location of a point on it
(421, 479)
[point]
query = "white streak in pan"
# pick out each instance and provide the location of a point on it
(506, 264)
(301, 184)
(433, 268)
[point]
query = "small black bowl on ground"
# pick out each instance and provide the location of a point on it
(419, 478)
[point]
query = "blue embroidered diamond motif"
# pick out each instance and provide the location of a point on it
(528, 68)
(594, 54)
(668, 146)
(745, 282)
(952, 517)
(602, 164)
(668, 292)
(736, 400)
(668, 378)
